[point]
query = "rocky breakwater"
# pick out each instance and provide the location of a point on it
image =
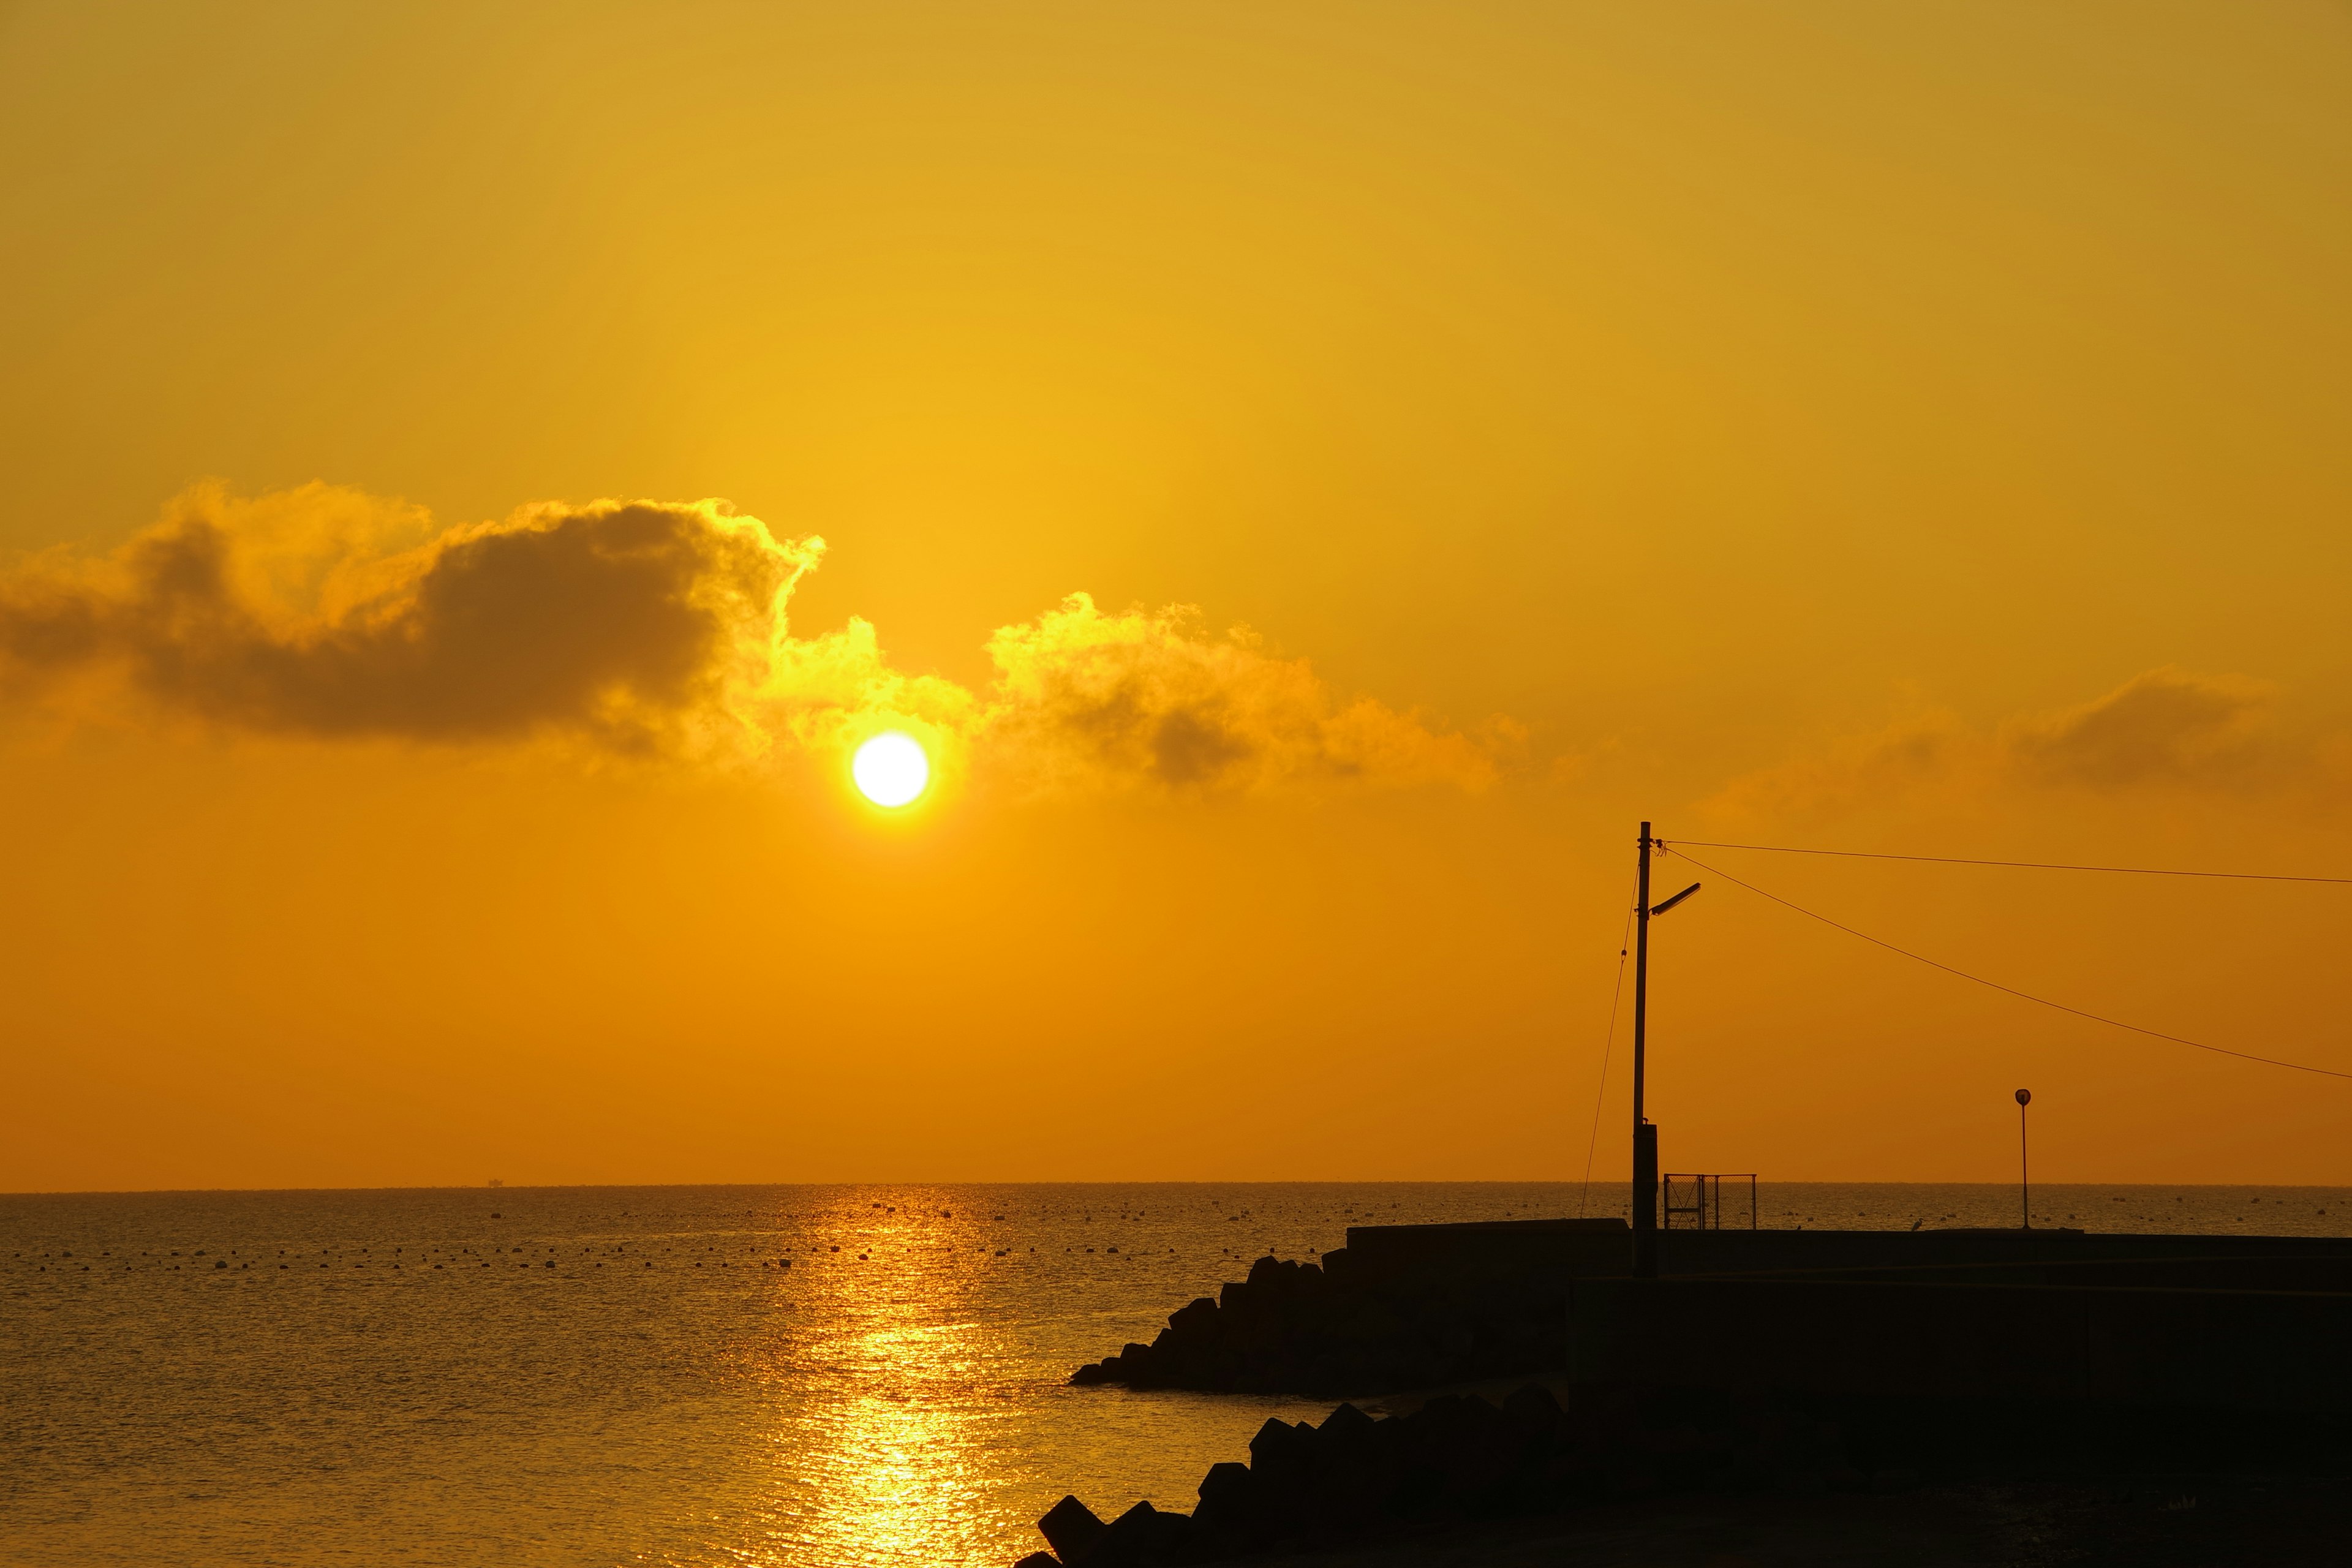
(1455, 1459)
(1345, 1329)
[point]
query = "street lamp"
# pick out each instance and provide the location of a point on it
(2024, 1186)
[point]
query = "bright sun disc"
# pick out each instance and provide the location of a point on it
(890, 769)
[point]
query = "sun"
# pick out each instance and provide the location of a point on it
(891, 769)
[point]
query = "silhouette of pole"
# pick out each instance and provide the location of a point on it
(2024, 1184)
(1646, 1136)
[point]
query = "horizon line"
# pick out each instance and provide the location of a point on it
(1156, 1182)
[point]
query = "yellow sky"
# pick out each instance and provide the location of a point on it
(1913, 428)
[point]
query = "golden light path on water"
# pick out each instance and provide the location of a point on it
(902, 1454)
(912, 1405)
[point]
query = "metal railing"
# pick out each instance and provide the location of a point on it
(1695, 1202)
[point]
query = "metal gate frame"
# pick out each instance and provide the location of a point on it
(1701, 1200)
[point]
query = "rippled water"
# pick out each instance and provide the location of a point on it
(630, 1375)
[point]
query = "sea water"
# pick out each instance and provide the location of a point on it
(819, 1376)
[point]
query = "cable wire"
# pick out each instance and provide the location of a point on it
(2012, 990)
(1600, 1095)
(2023, 865)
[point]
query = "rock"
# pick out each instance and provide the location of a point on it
(1039, 1559)
(1239, 1513)
(1342, 1329)
(1227, 1492)
(1142, 1537)
(1463, 1456)
(1071, 1529)
(1198, 1316)
(1626, 1475)
(1531, 1409)
(1278, 1454)
(1347, 1465)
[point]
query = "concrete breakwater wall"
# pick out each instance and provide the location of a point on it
(2000, 1335)
(1804, 1361)
(1419, 1306)
(1776, 1251)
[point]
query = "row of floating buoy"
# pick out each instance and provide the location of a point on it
(400, 1261)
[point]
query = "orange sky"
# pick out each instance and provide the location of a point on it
(1914, 429)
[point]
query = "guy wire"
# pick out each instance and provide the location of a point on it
(1600, 1095)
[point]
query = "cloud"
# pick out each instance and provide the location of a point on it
(2163, 726)
(1149, 696)
(2163, 729)
(622, 622)
(656, 627)
(1915, 754)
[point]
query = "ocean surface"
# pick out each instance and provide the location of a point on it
(606, 1376)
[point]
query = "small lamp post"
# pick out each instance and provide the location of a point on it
(2024, 1186)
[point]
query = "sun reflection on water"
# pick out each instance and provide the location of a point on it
(880, 1451)
(907, 1401)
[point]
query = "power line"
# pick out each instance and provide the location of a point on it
(2012, 990)
(2023, 865)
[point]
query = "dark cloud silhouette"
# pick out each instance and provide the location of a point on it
(2163, 729)
(616, 620)
(2166, 725)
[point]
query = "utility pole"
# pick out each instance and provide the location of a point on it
(1646, 1136)
(2024, 1186)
